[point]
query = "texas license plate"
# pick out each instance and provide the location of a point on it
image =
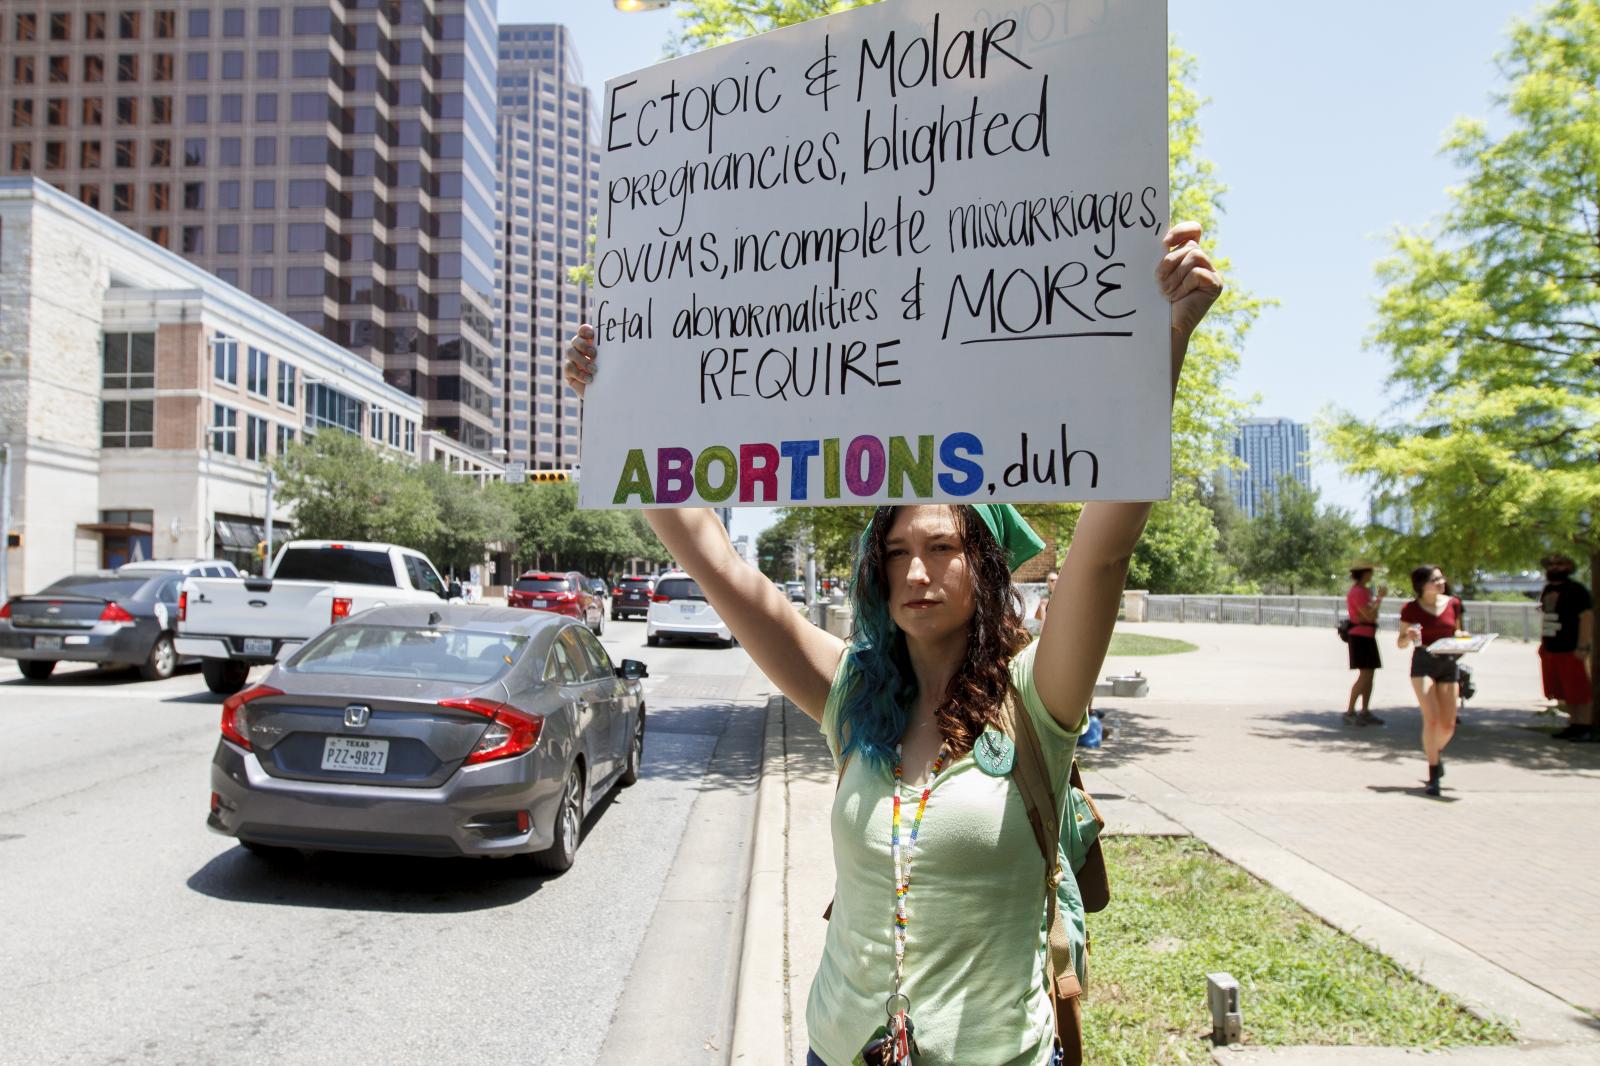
(46, 643)
(355, 754)
(257, 646)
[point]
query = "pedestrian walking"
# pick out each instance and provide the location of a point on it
(1433, 615)
(937, 650)
(1565, 643)
(1361, 607)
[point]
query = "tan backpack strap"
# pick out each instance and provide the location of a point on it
(1032, 776)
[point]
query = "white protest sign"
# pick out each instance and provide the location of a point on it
(905, 253)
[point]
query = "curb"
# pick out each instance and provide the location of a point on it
(760, 1022)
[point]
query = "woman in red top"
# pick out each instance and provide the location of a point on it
(1433, 615)
(1362, 607)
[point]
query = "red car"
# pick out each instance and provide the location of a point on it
(562, 593)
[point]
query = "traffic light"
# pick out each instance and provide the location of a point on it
(261, 550)
(549, 475)
(13, 539)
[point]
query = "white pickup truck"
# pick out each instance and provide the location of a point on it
(233, 624)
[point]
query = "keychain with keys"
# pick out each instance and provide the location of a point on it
(895, 1042)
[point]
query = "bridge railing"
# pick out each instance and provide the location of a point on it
(1513, 621)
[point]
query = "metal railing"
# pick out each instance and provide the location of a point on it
(1513, 621)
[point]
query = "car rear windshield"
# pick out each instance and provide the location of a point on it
(636, 581)
(354, 565)
(440, 654)
(105, 588)
(544, 584)
(680, 588)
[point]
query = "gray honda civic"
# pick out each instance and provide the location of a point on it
(431, 729)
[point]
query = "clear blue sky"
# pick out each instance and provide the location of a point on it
(1325, 125)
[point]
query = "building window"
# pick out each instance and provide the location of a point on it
(56, 111)
(233, 22)
(304, 281)
(232, 66)
(225, 358)
(22, 70)
(122, 196)
(264, 196)
(261, 286)
(89, 155)
(90, 195)
(286, 374)
(285, 439)
(127, 110)
(255, 438)
(306, 193)
(256, 371)
(266, 107)
(127, 424)
(228, 244)
(128, 26)
(200, 23)
(194, 195)
(161, 110)
(166, 24)
(21, 114)
(394, 429)
(127, 66)
(160, 196)
(261, 237)
(194, 152)
(267, 22)
(27, 28)
(228, 151)
(61, 27)
(128, 361)
(161, 66)
(376, 423)
(94, 26)
(266, 65)
(55, 155)
(157, 234)
(127, 153)
(224, 429)
(411, 436)
(227, 196)
(309, 64)
(266, 152)
(231, 108)
(329, 408)
(307, 236)
(161, 152)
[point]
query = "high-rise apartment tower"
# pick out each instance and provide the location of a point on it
(333, 159)
(1271, 449)
(549, 177)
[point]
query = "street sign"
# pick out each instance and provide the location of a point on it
(516, 472)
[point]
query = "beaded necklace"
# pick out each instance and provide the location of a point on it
(902, 864)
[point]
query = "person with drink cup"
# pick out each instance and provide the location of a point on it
(1433, 615)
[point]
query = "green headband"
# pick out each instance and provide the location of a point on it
(1007, 527)
(1011, 530)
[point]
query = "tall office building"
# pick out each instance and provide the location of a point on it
(548, 190)
(334, 160)
(1270, 449)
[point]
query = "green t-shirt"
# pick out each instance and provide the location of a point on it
(975, 939)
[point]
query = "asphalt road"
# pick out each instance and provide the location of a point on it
(129, 933)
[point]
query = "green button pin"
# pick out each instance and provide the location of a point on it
(994, 753)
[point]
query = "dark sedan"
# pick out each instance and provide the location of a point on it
(108, 618)
(420, 729)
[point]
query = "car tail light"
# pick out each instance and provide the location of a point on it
(235, 722)
(511, 731)
(115, 613)
(341, 609)
(658, 598)
(616, 592)
(183, 605)
(5, 609)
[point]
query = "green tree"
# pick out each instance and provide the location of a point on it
(1491, 319)
(708, 23)
(775, 548)
(473, 519)
(340, 488)
(1294, 545)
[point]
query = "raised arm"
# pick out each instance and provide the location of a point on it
(797, 656)
(1083, 611)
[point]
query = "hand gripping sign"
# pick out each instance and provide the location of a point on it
(904, 253)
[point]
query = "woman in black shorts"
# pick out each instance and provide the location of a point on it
(1433, 615)
(1361, 607)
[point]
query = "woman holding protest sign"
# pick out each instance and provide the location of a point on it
(909, 707)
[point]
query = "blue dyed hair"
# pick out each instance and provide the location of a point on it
(880, 686)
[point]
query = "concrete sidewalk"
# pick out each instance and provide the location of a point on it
(1491, 893)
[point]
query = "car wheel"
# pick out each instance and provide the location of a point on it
(162, 660)
(652, 640)
(36, 669)
(224, 676)
(563, 849)
(615, 617)
(635, 754)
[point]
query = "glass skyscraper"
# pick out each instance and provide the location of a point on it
(335, 160)
(1271, 448)
(548, 190)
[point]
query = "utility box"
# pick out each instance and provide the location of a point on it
(1222, 994)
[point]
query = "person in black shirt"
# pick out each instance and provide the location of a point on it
(1568, 635)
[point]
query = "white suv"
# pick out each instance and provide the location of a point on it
(679, 609)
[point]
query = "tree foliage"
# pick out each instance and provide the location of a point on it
(551, 532)
(340, 488)
(1296, 546)
(1491, 320)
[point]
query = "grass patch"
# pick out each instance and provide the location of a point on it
(1179, 912)
(1139, 644)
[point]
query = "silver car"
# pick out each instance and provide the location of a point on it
(443, 729)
